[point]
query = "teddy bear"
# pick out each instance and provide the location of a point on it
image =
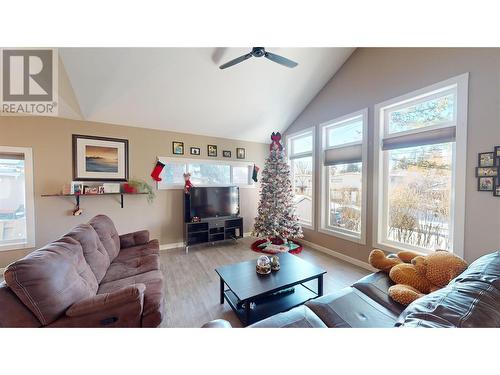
(416, 275)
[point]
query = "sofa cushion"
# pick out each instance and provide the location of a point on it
(462, 304)
(485, 269)
(123, 268)
(107, 234)
(299, 317)
(376, 286)
(152, 314)
(49, 280)
(150, 248)
(93, 250)
(351, 308)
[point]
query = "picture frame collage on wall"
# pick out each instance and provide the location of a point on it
(178, 149)
(487, 171)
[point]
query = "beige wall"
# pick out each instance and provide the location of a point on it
(50, 139)
(373, 75)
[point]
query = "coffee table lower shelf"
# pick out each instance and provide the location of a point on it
(274, 305)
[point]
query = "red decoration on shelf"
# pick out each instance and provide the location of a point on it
(129, 189)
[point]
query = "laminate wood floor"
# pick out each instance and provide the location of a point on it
(192, 285)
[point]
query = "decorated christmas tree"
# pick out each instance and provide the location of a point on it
(276, 214)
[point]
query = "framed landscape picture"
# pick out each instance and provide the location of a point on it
(99, 158)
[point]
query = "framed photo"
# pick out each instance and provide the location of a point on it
(195, 151)
(99, 158)
(497, 155)
(240, 153)
(485, 183)
(486, 159)
(212, 150)
(486, 171)
(177, 148)
(226, 153)
(496, 190)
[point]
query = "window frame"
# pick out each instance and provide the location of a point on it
(29, 198)
(187, 161)
(458, 84)
(291, 155)
(324, 178)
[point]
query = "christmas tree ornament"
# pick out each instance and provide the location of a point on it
(276, 218)
(157, 171)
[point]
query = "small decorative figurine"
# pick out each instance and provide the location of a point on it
(275, 263)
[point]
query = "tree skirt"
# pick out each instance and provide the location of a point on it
(275, 241)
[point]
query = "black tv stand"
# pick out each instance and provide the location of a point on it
(212, 230)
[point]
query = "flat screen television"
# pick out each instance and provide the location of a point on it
(214, 201)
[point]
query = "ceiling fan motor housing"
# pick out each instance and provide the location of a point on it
(258, 51)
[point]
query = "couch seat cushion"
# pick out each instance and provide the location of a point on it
(351, 308)
(93, 250)
(107, 233)
(152, 314)
(49, 280)
(123, 268)
(376, 286)
(149, 248)
(485, 269)
(299, 317)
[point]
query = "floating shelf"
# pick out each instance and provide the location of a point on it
(77, 196)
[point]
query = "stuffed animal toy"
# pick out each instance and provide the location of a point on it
(416, 275)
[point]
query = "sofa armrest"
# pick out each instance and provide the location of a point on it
(217, 323)
(140, 237)
(133, 294)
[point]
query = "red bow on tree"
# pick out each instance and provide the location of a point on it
(276, 138)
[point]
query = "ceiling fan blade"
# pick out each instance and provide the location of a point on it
(235, 61)
(281, 60)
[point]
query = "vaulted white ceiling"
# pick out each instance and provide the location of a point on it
(183, 90)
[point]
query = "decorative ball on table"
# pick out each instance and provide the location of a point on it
(263, 266)
(277, 222)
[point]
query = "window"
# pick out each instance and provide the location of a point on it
(344, 177)
(16, 198)
(300, 153)
(204, 173)
(420, 160)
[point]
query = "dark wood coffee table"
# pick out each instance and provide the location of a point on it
(254, 297)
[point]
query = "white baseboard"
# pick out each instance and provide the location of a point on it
(170, 246)
(341, 256)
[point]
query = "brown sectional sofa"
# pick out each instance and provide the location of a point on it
(91, 277)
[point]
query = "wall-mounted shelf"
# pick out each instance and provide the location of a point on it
(77, 196)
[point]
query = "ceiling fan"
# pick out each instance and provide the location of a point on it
(259, 52)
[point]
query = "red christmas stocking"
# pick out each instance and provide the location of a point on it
(157, 170)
